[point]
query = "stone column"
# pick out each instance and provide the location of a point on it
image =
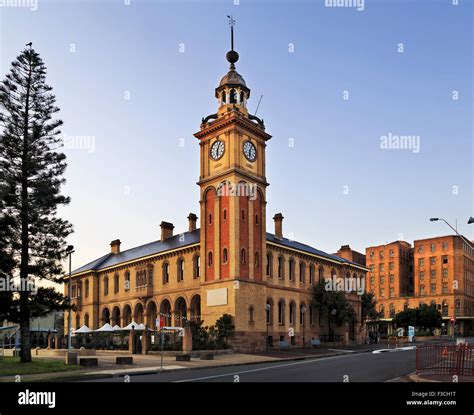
(145, 341)
(187, 339)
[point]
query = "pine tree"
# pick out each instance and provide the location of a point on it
(31, 169)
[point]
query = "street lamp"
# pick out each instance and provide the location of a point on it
(437, 219)
(471, 220)
(303, 311)
(267, 321)
(69, 251)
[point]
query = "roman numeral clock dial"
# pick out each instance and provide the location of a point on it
(217, 150)
(250, 151)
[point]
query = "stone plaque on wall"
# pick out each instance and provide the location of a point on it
(217, 297)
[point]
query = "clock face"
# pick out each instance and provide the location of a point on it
(217, 150)
(250, 151)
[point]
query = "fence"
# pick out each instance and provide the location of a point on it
(445, 359)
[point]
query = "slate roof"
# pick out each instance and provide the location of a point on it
(176, 241)
(186, 239)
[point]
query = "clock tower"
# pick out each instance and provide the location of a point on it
(233, 187)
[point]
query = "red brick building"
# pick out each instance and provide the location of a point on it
(436, 271)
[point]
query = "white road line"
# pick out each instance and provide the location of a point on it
(261, 369)
(340, 350)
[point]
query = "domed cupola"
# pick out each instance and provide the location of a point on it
(232, 88)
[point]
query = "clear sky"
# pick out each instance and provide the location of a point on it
(136, 80)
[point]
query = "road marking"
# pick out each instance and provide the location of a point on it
(398, 349)
(261, 369)
(340, 350)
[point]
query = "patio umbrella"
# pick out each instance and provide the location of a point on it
(106, 328)
(83, 330)
(129, 327)
(117, 328)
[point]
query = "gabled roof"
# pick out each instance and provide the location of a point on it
(152, 248)
(190, 238)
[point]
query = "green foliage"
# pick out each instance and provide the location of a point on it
(326, 301)
(32, 236)
(225, 329)
(424, 317)
(369, 307)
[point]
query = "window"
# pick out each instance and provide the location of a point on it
(302, 313)
(302, 272)
(291, 269)
(433, 274)
(225, 214)
(432, 260)
(269, 270)
(116, 283)
(372, 266)
(382, 292)
(106, 285)
(382, 280)
(392, 278)
(444, 308)
(391, 266)
(210, 219)
(372, 280)
(445, 288)
(392, 310)
(257, 260)
(444, 259)
(421, 262)
(381, 268)
(433, 288)
(311, 274)
(391, 253)
(281, 313)
(243, 214)
(86, 289)
(256, 219)
(320, 274)
(445, 273)
(126, 284)
(444, 246)
(180, 270)
(197, 266)
(224, 256)
(242, 256)
(371, 255)
(292, 313)
(432, 247)
(422, 275)
(422, 290)
(280, 268)
(421, 248)
(251, 314)
(209, 259)
(392, 292)
(166, 273)
(268, 311)
(380, 254)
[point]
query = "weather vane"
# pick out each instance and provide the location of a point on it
(231, 24)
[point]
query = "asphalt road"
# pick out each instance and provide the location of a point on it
(364, 367)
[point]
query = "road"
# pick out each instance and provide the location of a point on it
(364, 367)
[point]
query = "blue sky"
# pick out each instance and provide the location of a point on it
(334, 186)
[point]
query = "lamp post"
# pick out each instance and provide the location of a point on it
(303, 311)
(267, 321)
(69, 251)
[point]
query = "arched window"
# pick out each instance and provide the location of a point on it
(106, 285)
(311, 274)
(269, 265)
(242, 97)
(243, 214)
(166, 273)
(197, 266)
(269, 311)
(232, 97)
(116, 283)
(292, 313)
(86, 288)
(224, 256)
(180, 269)
(280, 268)
(127, 281)
(242, 256)
(281, 312)
(302, 272)
(256, 219)
(257, 260)
(291, 269)
(223, 97)
(251, 314)
(225, 214)
(320, 274)
(209, 258)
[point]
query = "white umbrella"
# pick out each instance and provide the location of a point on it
(117, 328)
(83, 330)
(105, 328)
(131, 326)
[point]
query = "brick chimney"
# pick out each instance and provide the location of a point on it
(115, 246)
(278, 218)
(192, 218)
(166, 230)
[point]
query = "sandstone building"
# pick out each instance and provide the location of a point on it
(230, 263)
